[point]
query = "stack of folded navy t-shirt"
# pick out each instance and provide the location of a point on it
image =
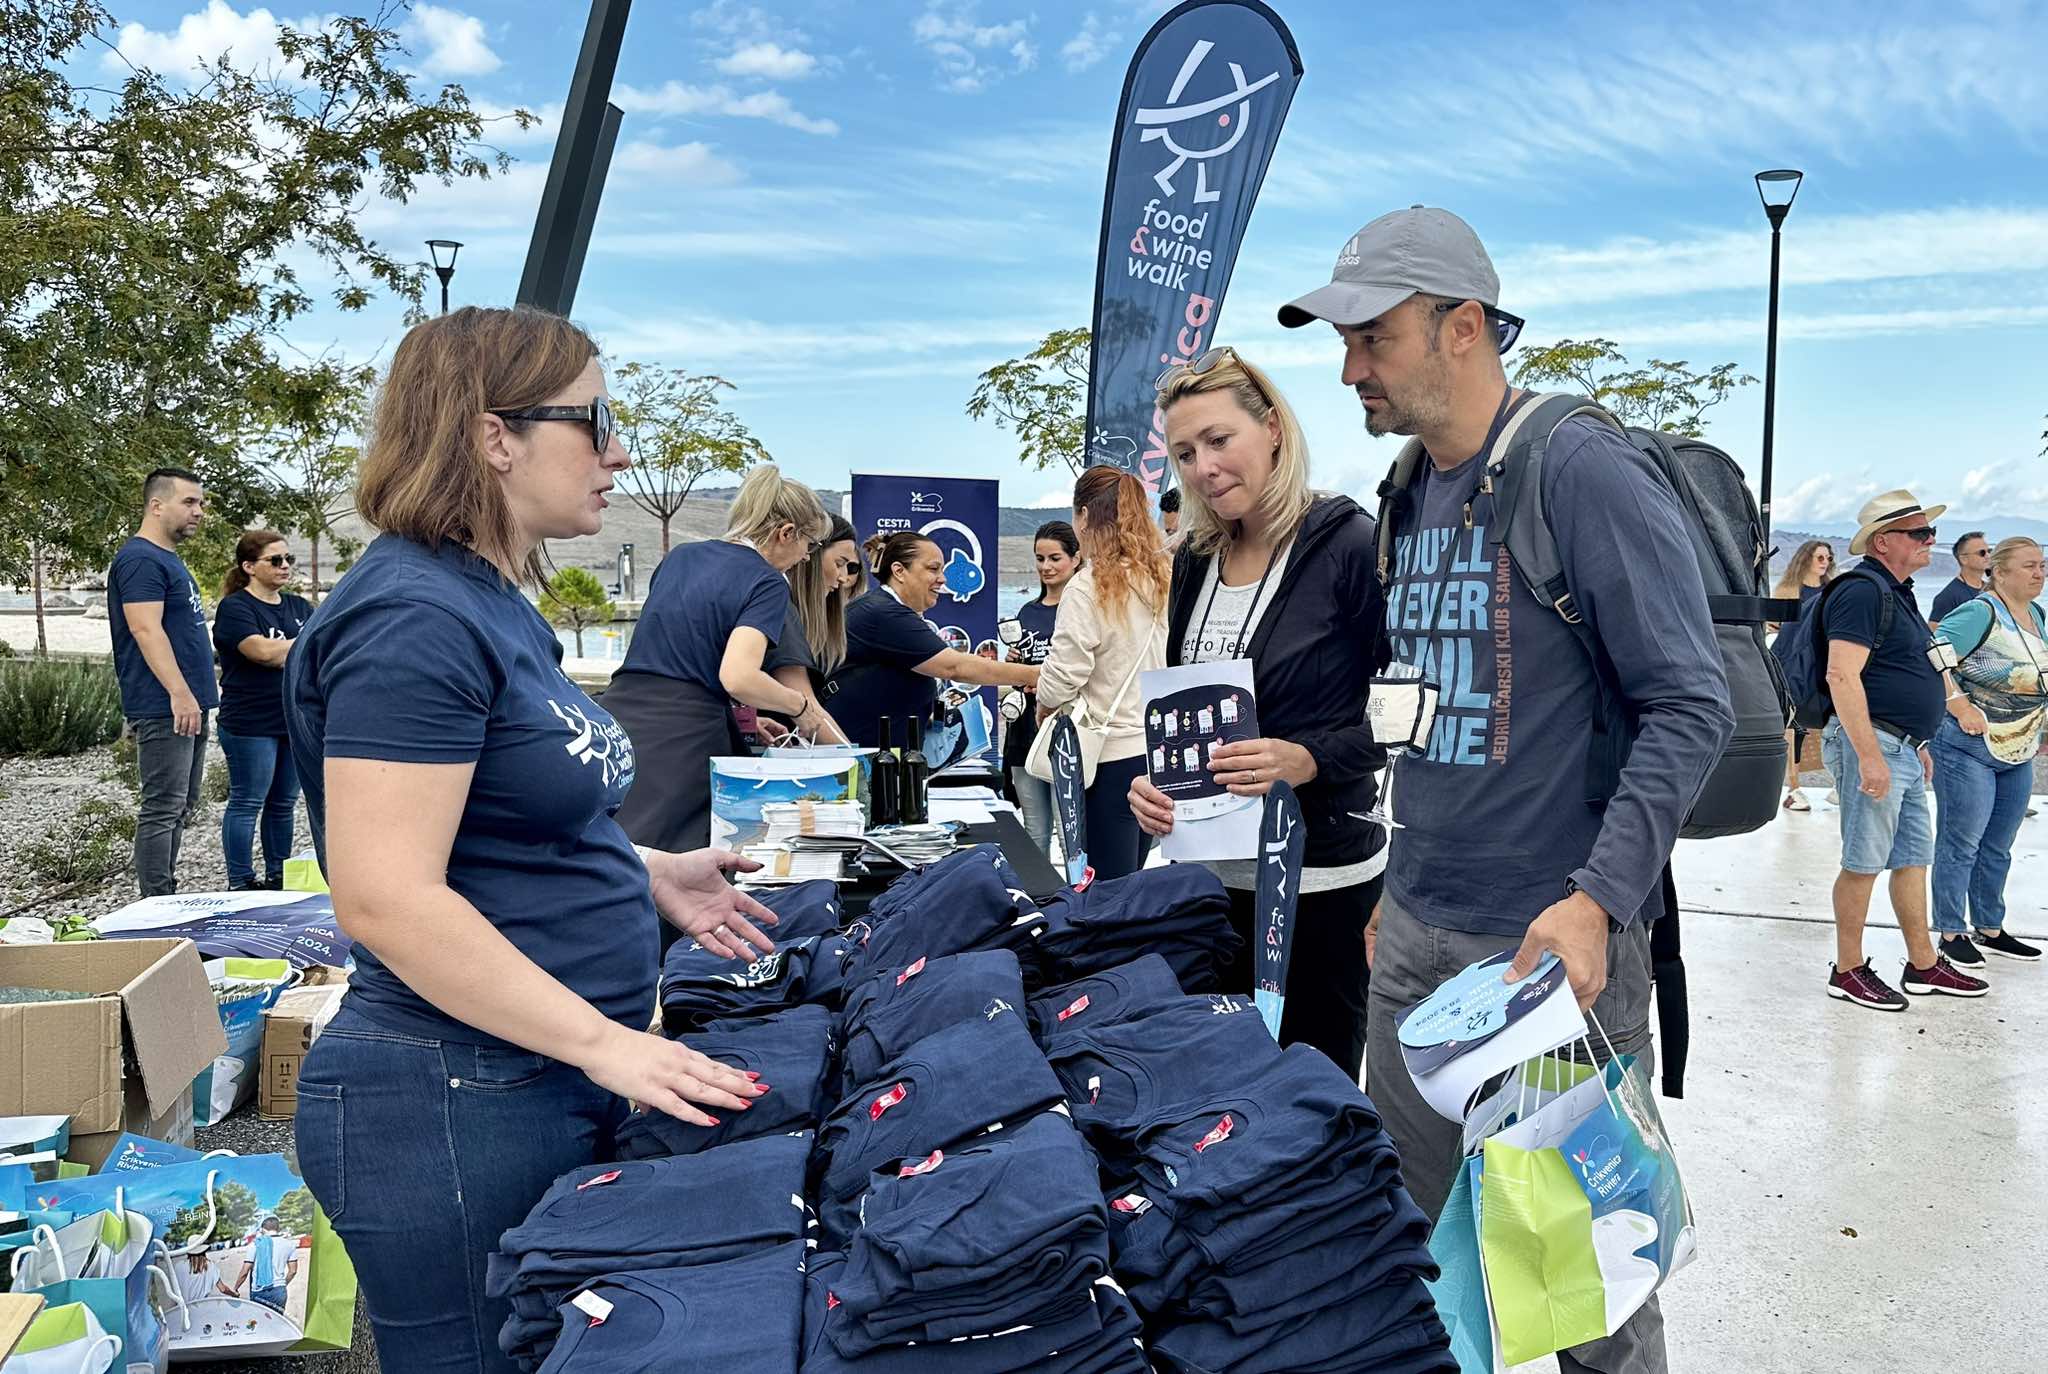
(946, 1088)
(699, 985)
(738, 1314)
(789, 1053)
(971, 899)
(1100, 999)
(1180, 912)
(802, 909)
(982, 1259)
(640, 1215)
(1266, 1229)
(893, 1009)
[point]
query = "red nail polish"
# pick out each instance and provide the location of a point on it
(753, 1077)
(760, 1087)
(710, 1118)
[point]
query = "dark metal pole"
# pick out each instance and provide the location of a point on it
(574, 179)
(444, 293)
(1770, 386)
(586, 213)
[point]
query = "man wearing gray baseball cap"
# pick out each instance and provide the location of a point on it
(1511, 837)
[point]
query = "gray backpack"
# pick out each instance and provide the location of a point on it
(1741, 792)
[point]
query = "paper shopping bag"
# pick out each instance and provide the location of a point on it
(1460, 1289)
(102, 1261)
(1582, 1222)
(65, 1340)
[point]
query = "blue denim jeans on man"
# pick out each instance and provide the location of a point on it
(262, 782)
(172, 767)
(1982, 802)
(1880, 834)
(422, 1153)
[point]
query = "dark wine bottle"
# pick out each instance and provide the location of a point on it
(916, 777)
(885, 785)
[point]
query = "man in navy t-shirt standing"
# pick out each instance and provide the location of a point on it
(164, 660)
(1888, 700)
(1500, 848)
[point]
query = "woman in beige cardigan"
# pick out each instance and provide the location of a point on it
(1112, 626)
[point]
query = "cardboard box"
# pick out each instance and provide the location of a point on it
(290, 1026)
(121, 1059)
(18, 1312)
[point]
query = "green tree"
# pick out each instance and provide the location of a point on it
(1043, 398)
(235, 1213)
(1667, 396)
(295, 1211)
(156, 233)
(678, 430)
(309, 446)
(575, 600)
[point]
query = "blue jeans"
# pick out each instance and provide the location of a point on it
(1885, 833)
(261, 782)
(424, 1152)
(1981, 804)
(1034, 799)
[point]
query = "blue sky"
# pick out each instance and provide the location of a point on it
(851, 209)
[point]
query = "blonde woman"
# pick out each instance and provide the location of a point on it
(713, 611)
(1268, 570)
(1111, 626)
(1806, 576)
(813, 642)
(1984, 753)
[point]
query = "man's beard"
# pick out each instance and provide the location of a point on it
(1429, 407)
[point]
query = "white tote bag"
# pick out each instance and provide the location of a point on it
(1094, 734)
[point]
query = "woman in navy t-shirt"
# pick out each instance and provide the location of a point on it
(713, 611)
(1057, 552)
(895, 660)
(462, 791)
(253, 630)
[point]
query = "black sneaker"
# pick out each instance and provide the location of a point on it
(1960, 951)
(2010, 948)
(1862, 986)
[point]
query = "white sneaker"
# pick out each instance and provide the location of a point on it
(1834, 798)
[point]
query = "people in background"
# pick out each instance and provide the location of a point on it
(895, 660)
(1113, 627)
(462, 792)
(1269, 570)
(253, 629)
(1973, 563)
(1984, 753)
(1057, 553)
(165, 667)
(1813, 563)
(713, 611)
(1169, 511)
(1888, 703)
(813, 641)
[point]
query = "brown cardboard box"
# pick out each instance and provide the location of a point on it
(289, 1027)
(18, 1312)
(122, 1059)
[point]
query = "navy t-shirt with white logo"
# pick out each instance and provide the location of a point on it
(885, 641)
(252, 693)
(141, 572)
(431, 656)
(700, 594)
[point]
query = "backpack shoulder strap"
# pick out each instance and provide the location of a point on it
(1394, 498)
(1514, 477)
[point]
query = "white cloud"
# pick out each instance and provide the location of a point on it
(676, 98)
(205, 36)
(736, 19)
(1826, 498)
(962, 46)
(449, 42)
(1089, 45)
(1053, 498)
(503, 131)
(768, 60)
(693, 164)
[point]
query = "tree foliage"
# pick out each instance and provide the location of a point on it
(678, 429)
(163, 233)
(1042, 397)
(295, 1212)
(575, 600)
(1661, 395)
(236, 1211)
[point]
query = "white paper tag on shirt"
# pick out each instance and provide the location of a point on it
(592, 1306)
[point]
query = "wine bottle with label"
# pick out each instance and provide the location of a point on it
(916, 776)
(885, 785)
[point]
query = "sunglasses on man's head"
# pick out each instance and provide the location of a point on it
(598, 415)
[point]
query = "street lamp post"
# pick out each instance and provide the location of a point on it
(444, 270)
(1777, 189)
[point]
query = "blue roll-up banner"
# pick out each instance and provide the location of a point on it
(959, 514)
(1069, 796)
(1281, 834)
(1202, 108)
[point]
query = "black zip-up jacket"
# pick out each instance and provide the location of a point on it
(1313, 658)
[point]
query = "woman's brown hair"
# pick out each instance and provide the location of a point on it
(1124, 546)
(424, 475)
(247, 550)
(885, 551)
(1795, 571)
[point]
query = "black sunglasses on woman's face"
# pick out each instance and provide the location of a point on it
(280, 560)
(598, 415)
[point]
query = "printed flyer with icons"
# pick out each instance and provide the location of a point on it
(1190, 712)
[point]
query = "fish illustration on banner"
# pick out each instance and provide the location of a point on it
(1202, 107)
(1281, 835)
